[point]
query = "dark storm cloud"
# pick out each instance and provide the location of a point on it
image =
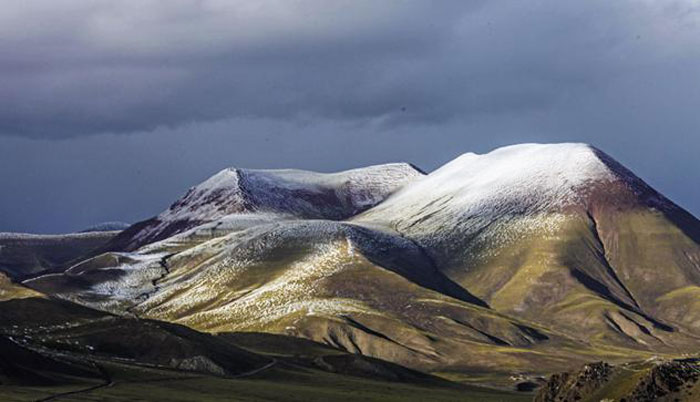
(111, 109)
(74, 67)
(71, 68)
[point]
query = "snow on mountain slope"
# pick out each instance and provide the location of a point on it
(287, 193)
(517, 179)
(295, 192)
(531, 186)
(117, 279)
(365, 291)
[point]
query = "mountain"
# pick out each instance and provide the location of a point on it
(561, 234)
(107, 227)
(271, 195)
(496, 268)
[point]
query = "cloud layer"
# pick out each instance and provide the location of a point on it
(71, 68)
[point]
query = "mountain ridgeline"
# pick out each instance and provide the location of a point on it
(529, 259)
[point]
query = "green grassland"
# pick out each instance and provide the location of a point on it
(277, 384)
(61, 351)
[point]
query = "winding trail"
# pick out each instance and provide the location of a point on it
(257, 370)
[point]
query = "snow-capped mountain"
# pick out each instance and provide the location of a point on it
(536, 229)
(519, 180)
(289, 194)
(539, 255)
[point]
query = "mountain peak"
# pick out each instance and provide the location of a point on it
(524, 174)
(285, 193)
(291, 191)
(564, 163)
(519, 179)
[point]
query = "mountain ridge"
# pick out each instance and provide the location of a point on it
(290, 193)
(531, 257)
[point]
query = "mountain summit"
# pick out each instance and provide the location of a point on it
(522, 179)
(286, 194)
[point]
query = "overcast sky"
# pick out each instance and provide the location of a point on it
(109, 110)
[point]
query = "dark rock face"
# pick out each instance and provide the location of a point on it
(666, 379)
(574, 387)
(674, 380)
(526, 386)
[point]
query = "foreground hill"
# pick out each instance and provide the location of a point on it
(51, 349)
(525, 261)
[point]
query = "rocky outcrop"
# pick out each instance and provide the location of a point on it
(675, 380)
(575, 386)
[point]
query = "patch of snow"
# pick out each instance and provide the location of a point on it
(124, 283)
(211, 199)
